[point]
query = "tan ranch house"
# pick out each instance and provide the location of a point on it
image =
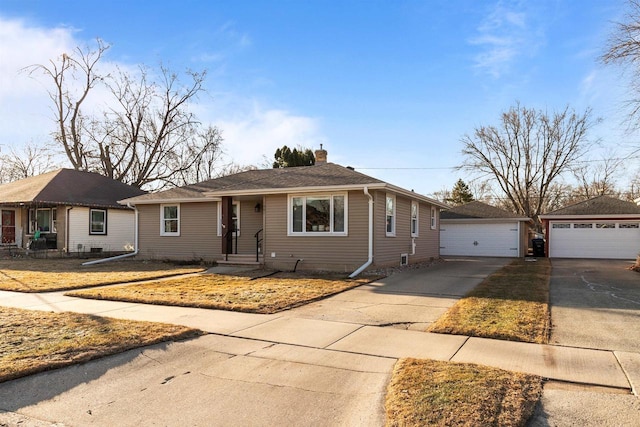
(321, 217)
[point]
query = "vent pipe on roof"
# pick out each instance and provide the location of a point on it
(321, 156)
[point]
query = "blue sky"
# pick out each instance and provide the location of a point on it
(388, 87)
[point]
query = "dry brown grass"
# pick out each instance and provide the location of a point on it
(43, 275)
(36, 341)
(225, 292)
(427, 392)
(511, 304)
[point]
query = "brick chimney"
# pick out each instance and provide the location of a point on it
(321, 156)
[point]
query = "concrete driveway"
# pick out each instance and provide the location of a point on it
(595, 304)
(410, 300)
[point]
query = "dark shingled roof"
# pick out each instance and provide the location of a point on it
(68, 187)
(601, 205)
(476, 210)
(324, 175)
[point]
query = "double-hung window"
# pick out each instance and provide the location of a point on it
(169, 220)
(318, 215)
(390, 207)
(97, 221)
(434, 218)
(415, 210)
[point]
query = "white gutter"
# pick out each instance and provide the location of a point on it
(370, 260)
(135, 242)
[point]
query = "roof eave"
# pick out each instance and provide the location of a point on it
(133, 202)
(518, 219)
(590, 216)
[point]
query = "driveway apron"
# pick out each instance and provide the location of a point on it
(595, 304)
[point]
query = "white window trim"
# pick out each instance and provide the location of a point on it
(391, 233)
(220, 218)
(304, 231)
(104, 225)
(162, 220)
(434, 218)
(415, 233)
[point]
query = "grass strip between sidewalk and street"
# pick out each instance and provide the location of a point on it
(511, 304)
(47, 275)
(264, 295)
(434, 393)
(37, 341)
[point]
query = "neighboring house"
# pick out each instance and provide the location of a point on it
(478, 229)
(602, 227)
(71, 211)
(321, 217)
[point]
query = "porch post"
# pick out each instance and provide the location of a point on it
(227, 225)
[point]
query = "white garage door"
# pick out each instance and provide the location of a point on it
(479, 239)
(605, 239)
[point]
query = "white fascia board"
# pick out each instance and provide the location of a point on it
(291, 190)
(588, 217)
(168, 201)
(481, 220)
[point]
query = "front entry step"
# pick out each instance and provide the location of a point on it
(236, 259)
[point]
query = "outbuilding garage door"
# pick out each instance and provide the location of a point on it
(604, 239)
(499, 240)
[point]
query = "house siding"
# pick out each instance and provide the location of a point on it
(334, 253)
(119, 237)
(198, 238)
(388, 249)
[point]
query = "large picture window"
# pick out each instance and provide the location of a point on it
(321, 215)
(170, 220)
(97, 221)
(43, 220)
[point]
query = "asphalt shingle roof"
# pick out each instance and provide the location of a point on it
(68, 187)
(324, 175)
(476, 210)
(601, 205)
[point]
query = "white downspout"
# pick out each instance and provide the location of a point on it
(135, 242)
(370, 260)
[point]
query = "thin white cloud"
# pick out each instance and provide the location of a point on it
(256, 132)
(24, 104)
(251, 129)
(505, 34)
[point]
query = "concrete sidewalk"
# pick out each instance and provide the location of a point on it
(326, 363)
(577, 365)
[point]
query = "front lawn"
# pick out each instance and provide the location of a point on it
(511, 304)
(433, 393)
(227, 292)
(44, 275)
(36, 341)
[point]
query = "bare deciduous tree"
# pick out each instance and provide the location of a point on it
(28, 161)
(146, 137)
(623, 48)
(596, 178)
(526, 153)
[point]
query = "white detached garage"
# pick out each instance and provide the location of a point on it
(478, 229)
(602, 227)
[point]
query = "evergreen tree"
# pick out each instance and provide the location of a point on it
(286, 158)
(460, 194)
